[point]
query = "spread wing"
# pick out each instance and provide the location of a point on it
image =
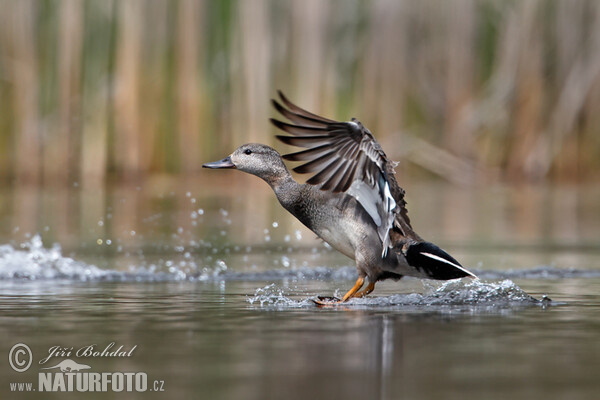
(345, 157)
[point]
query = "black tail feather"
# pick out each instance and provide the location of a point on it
(435, 262)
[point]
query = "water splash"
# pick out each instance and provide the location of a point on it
(456, 295)
(459, 292)
(272, 296)
(478, 291)
(32, 261)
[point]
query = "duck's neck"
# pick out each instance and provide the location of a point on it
(285, 187)
(281, 180)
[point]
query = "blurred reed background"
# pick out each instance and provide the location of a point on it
(472, 91)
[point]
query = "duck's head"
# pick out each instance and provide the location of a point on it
(256, 159)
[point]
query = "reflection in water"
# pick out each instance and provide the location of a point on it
(387, 350)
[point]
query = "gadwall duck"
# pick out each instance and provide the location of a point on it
(352, 201)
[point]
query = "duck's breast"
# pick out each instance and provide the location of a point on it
(346, 226)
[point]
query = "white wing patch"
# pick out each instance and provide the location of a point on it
(380, 210)
(438, 258)
(368, 197)
(390, 206)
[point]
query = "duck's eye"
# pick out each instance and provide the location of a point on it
(247, 151)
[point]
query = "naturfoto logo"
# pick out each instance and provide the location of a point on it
(68, 375)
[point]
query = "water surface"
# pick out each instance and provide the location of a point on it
(215, 293)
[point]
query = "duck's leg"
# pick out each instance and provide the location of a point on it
(323, 301)
(352, 292)
(370, 287)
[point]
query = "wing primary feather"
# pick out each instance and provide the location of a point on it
(353, 152)
(297, 118)
(323, 175)
(334, 179)
(348, 179)
(308, 142)
(316, 164)
(311, 141)
(298, 130)
(307, 155)
(301, 111)
(339, 132)
(345, 149)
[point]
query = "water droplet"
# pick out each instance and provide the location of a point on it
(100, 223)
(275, 224)
(99, 241)
(221, 265)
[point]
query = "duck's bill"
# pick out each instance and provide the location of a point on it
(224, 163)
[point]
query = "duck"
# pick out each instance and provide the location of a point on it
(351, 200)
